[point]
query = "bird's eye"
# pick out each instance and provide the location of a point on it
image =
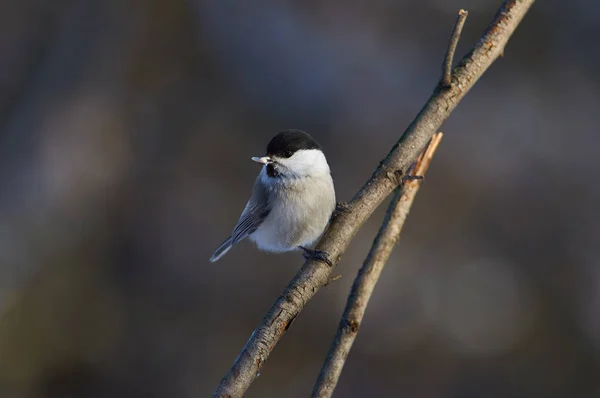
(288, 154)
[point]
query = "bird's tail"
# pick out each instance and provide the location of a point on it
(221, 250)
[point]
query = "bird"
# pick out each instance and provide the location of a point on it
(292, 201)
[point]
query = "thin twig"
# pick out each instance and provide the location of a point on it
(454, 38)
(367, 277)
(315, 274)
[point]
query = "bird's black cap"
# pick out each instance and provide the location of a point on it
(286, 143)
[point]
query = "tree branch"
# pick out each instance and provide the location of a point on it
(447, 65)
(314, 274)
(367, 277)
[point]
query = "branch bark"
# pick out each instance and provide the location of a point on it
(367, 277)
(314, 274)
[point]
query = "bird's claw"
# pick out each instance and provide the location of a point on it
(317, 255)
(341, 208)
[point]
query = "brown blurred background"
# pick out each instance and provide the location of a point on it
(126, 131)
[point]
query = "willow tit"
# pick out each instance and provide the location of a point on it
(292, 200)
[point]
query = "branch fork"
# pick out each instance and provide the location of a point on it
(446, 81)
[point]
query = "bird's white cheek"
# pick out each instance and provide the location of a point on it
(307, 162)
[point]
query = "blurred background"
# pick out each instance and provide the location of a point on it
(126, 131)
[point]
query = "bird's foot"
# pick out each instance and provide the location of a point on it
(317, 255)
(340, 208)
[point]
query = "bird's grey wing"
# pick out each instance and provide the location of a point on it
(257, 209)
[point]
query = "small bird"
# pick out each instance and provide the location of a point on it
(292, 200)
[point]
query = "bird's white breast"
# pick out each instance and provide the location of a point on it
(301, 211)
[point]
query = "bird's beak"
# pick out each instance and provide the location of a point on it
(263, 160)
